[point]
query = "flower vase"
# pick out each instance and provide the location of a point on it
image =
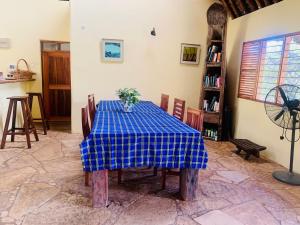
(128, 107)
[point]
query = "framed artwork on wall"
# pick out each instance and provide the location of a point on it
(190, 54)
(112, 50)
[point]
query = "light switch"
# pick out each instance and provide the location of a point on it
(4, 43)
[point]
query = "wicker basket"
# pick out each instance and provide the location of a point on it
(22, 74)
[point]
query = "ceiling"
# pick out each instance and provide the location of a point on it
(238, 8)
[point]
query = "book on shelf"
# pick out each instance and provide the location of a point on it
(212, 81)
(219, 57)
(212, 106)
(210, 133)
(214, 55)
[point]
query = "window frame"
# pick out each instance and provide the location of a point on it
(284, 36)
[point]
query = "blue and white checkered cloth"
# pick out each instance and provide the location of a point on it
(148, 136)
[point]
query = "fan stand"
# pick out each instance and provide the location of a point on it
(289, 177)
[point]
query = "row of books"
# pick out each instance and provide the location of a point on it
(214, 54)
(212, 81)
(211, 106)
(210, 133)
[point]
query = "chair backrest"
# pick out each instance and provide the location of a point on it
(85, 122)
(92, 107)
(164, 102)
(179, 107)
(195, 118)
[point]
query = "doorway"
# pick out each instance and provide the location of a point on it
(56, 80)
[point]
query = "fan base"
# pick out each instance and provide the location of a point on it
(287, 177)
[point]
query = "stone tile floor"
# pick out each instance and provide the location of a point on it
(44, 185)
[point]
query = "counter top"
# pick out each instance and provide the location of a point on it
(3, 81)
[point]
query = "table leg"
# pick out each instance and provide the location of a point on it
(100, 188)
(188, 184)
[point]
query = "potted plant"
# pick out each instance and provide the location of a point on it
(129, 98)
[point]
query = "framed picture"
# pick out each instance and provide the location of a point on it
(112, 50)
(190, 54)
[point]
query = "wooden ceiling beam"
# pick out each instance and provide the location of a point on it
(228, 7)
(235, 7)
(268, 2)
(252, 5)
(244, 6)
(260, 3)
(239, 8)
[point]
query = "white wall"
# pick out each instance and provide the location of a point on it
(250, 118)
(26, 23)
(151, 64)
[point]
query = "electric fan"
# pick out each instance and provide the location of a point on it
(282, 107)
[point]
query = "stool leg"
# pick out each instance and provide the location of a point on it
(42, 114)
(26, 128)
(13, 125)
(47, 122)
(30, 101)
(5, 131)
(30, 122)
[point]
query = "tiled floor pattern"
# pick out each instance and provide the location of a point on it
(44, 185)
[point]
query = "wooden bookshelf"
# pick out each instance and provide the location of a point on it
(212, 90)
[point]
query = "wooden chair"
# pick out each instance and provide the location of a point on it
(85, 131)
(164, 102)
(179, 107)
(194, 120)
(92, 107)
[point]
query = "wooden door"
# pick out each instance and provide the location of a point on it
(57, 85)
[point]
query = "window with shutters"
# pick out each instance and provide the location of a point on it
(267, 63)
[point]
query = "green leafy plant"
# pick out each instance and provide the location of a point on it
(129, 95)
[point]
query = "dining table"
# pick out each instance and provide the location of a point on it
(145, 137)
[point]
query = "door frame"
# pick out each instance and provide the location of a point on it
(42, 42)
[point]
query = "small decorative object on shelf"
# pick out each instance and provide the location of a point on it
(17, 73)
(129, 98)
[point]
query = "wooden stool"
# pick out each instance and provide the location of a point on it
(42, 109)
(28, 122)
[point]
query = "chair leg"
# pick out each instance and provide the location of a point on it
(163, 180)
(26, 128)
(42, 114)
(120, 176)
(86, 178)
(13, 125)
(5, 131)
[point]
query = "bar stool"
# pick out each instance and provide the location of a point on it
(41, 107)
(28, 122)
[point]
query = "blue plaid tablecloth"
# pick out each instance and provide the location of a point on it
(148, 136)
